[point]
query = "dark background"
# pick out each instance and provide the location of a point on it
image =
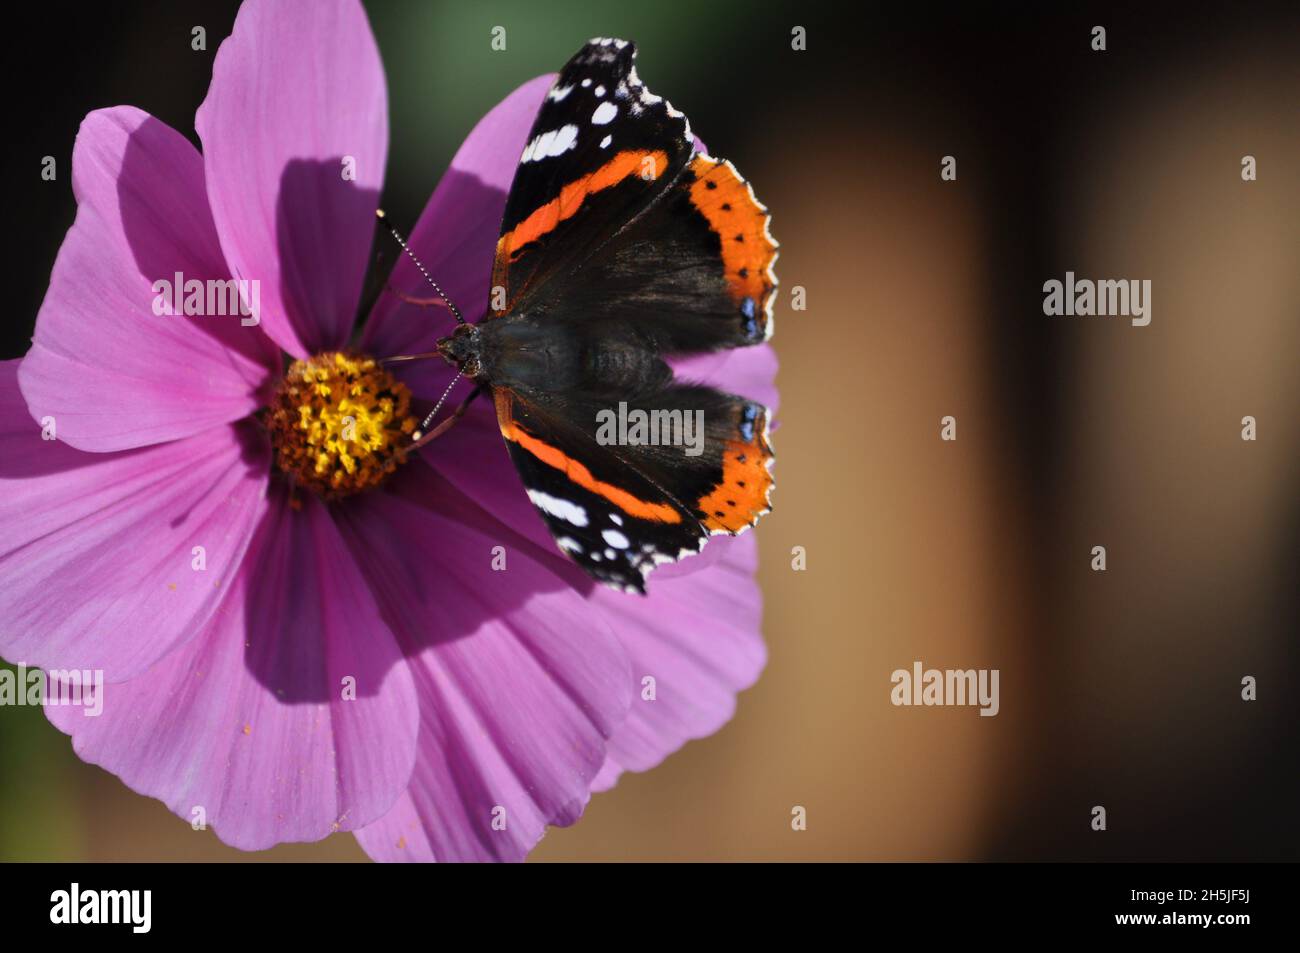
(1120, 689)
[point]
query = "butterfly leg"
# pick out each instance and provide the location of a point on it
(411, 299)
(410, 357)
(446, 425)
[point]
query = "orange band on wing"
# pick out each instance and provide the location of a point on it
(725, 201)
(566, 204)
(741, 498)
(579, 474)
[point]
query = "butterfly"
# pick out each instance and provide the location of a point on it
(622, 244)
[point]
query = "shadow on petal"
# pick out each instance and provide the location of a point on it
(317, 211)
(184, 248)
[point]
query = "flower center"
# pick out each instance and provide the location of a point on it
(339, 423)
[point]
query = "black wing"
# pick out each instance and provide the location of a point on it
(625, 485)
(602, 149)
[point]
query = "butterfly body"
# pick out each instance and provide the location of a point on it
(622, 246)
(540, 356)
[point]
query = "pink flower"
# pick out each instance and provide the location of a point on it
(478, 694)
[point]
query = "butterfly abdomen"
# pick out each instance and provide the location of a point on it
(624, 364)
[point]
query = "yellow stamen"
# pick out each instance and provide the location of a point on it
(340, 424)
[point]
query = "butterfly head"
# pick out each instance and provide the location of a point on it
(462, 348)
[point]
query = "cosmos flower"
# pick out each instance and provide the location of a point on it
(346, 655)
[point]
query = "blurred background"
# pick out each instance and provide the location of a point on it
(924, 299)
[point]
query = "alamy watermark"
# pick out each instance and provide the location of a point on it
(83, 688)
(654, 428)
(932, 686)
(1105, 297)
(215, 297)
(133, 908)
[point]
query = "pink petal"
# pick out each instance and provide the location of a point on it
(297, 91)
(698, 635)
(746, 371)
(249, 721)
(97, 550)
(519, 682)
(113, 373)
(456, 239)
(473, 457)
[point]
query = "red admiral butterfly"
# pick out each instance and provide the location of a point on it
(621, 244)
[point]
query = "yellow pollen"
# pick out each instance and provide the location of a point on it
(340, 424)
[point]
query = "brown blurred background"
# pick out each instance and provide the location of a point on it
(1120, 688)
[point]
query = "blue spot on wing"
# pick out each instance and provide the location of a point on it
(748, 309)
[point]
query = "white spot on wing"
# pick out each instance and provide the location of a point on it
(558, 93)
(551, 144)
(561, 509)
(604, 113)
(614, 538)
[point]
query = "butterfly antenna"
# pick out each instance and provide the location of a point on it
(460, 318)
(438, 406)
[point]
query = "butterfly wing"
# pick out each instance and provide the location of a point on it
(611, 195)
(619, 504)
(694, 271)
(602, 149)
